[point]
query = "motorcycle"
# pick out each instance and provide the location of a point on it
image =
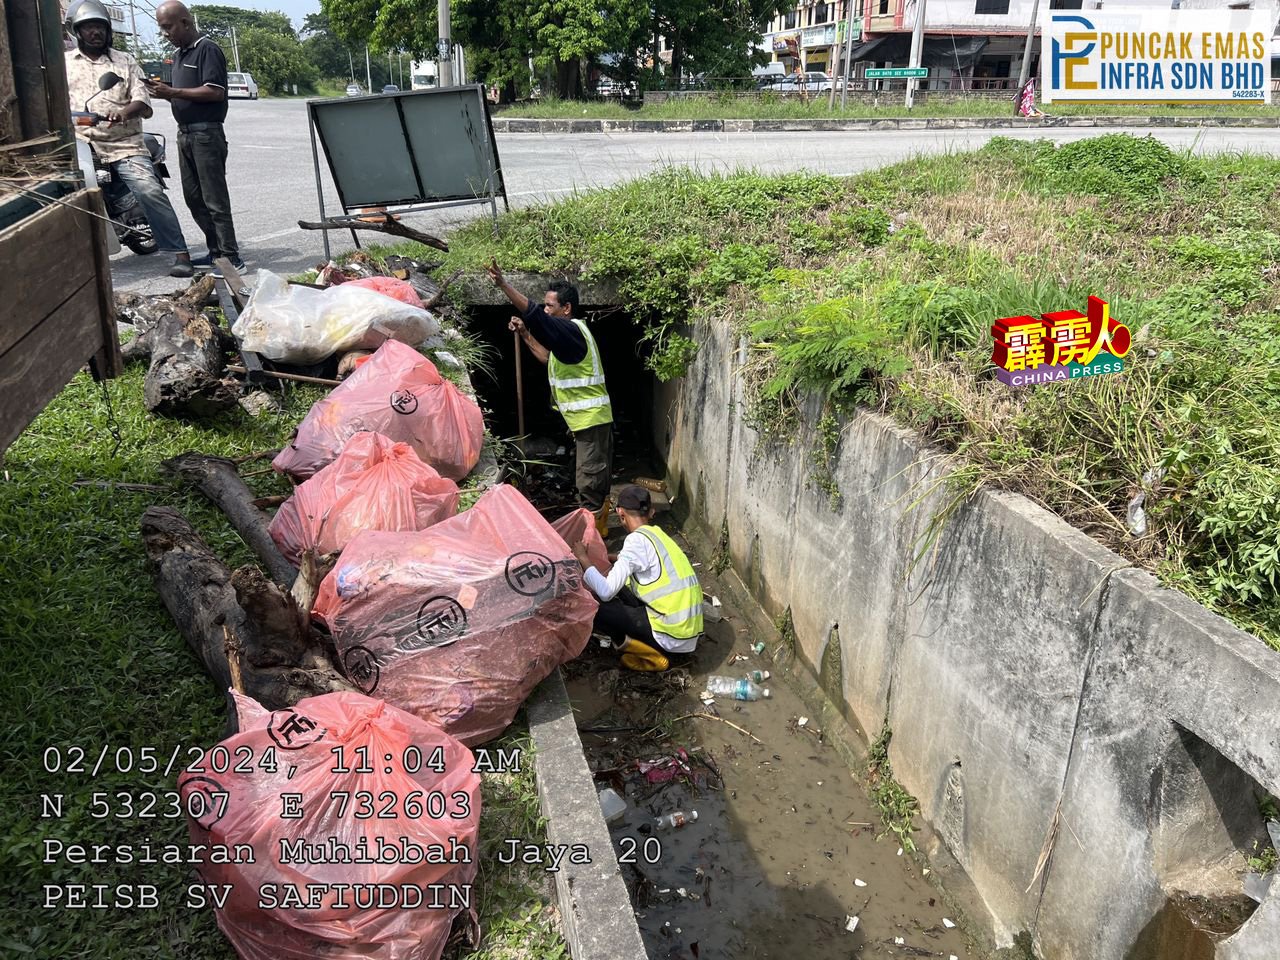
(127, 217)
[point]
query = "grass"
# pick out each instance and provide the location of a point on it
(897, 807)
(880, 289)
(777, 107)
(89, 656)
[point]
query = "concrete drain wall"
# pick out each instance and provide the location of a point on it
(1041, 691)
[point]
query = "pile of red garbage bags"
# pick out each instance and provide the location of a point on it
(374, 484)
(459, 622)
(354, 811)
(400, 394)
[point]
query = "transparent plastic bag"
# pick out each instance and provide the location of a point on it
(295, 324)
(580, 527)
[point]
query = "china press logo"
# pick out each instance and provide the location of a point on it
(1063, 345)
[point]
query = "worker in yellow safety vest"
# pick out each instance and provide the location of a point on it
(651, 601)
(557, 337)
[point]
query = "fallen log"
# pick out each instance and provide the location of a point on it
(144, 312)
(386, 225)
(279, 662)
(187, 359)
(219, 480)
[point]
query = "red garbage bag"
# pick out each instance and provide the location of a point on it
(375, 484)
(399, 393)
(348, 823)
(580, 527)
(458, 623)
(400, 290)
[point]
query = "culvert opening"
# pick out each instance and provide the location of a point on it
(1210, 833)
(784, 852)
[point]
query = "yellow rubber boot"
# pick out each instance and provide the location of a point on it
(602, 518)
(642, 657)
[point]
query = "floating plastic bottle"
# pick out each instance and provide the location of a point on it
(677, 820)
(758, 676)
(732, 687)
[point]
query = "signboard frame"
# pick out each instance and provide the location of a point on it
(375, 149)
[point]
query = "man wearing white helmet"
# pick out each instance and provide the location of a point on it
(118, 141)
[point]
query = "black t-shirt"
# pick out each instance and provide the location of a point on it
(201, 64)
(562, 337)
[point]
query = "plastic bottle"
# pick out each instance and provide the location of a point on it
(758, 648)
(758, 676)
(732, 687)
(677, 820)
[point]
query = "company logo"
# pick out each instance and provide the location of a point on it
(530, 573)
(1062, 345)
(404, 402)
(441, 621)
(362, 668)
(1148, 54)
(292, 730)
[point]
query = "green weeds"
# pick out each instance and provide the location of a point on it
(897, 807)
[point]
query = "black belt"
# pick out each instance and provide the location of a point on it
(196, 127)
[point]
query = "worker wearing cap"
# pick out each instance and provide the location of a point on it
(660, 611)
(562, 341)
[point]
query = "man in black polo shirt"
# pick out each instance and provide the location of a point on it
(198, 96)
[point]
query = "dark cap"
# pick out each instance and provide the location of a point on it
(634, 498)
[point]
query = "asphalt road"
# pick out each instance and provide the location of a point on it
(273, 183)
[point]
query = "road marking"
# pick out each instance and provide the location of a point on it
(274, 236)
(258, 146)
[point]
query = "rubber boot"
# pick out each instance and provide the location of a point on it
(642, 657)
(602, 518)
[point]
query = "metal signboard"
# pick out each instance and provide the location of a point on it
(896, 73)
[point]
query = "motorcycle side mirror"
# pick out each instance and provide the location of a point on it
(109, 80)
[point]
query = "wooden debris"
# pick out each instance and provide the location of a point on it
(279, 662)
(218, 480)
(144, 312)
(387, 225)
(279, 375)
(187, 360)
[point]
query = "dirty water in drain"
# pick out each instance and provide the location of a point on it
(783, 855)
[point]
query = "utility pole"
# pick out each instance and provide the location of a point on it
(368, 71)
(137, 42)
(1025, 72)
(352, 64)
(235, 47)
(444, 47)
(917, 44)
(848, 53)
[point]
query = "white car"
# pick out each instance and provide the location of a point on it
(241, 85)
(814, 82)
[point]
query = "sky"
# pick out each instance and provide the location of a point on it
(296, 10)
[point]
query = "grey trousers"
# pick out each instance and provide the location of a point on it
(202, 158)
(595, 465)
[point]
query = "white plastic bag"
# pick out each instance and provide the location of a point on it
(296, 324)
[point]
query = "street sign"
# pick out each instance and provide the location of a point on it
(897, 73)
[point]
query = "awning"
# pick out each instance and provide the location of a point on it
(954, 52)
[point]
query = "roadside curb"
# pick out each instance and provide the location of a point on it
(525, 125)
(595, 908)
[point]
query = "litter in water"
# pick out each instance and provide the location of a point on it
(851, 923)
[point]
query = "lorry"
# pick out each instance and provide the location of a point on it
(59, 311)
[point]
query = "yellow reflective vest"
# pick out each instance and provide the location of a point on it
(674, 600)
(578, 390)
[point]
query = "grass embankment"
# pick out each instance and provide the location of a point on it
(90, 656)
(882, 288)
(778, 107)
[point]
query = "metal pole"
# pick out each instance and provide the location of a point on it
(917, 44)
(352, 64)
(137, 43)
(315, 165)
(444, 48)
(235, 47)
(1025, 72)
(848, 52)
(519, 387)
(368, 71)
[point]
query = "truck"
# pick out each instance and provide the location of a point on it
(59, 310)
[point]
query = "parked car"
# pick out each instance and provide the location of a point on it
(390, 88)
(814, 82)
(241, 85)
(353, 90)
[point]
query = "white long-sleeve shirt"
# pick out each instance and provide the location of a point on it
(637, 558)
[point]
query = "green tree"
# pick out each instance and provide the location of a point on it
(332, 58)
(217, 21)
(568, 32)
(498, 41)
(275, 61)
